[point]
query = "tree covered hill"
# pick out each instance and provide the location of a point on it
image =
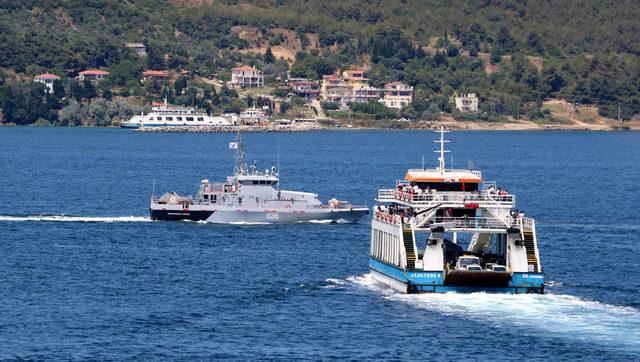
(584, 50)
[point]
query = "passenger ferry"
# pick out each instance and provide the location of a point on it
(441, 230)
(164, 115)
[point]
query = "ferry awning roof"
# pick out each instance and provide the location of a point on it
(465, 176)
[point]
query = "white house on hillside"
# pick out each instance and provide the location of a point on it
(397, 95)
(94, 75)
(47, 79)
(139, 48)
(246, 77)
(467, 102)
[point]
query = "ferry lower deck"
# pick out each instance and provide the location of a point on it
(421, 281)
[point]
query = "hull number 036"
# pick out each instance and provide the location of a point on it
(273, 216)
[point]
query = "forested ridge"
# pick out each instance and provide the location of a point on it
(514, 53)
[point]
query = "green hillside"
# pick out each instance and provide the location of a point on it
(513, 54)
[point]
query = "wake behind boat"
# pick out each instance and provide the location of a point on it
(419, 229)
(251, 196)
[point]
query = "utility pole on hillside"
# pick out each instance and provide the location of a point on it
(619, 114)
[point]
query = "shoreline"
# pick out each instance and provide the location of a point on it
(421, 126)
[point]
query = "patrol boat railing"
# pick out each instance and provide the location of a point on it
(482, 199)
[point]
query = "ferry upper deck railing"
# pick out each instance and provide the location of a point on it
(482, 198)
(469, 223)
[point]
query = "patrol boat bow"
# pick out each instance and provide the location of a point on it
(251, 196)
(419, 227)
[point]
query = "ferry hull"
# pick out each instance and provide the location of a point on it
(237, 215)
(435, 281)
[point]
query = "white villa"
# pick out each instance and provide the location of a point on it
(467, 102)
(246, 77)
(139, 48)
(94, 75)
(397, 95)
(47, 79)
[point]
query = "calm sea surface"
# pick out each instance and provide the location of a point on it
(84, 274)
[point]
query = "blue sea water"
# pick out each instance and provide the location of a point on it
(84, 274)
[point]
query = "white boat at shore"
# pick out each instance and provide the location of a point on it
(163, 115)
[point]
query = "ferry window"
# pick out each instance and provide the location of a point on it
(206, 197)
(190, 119)
(158, 118)
(200, 119)
(168, 118)
(179, 119)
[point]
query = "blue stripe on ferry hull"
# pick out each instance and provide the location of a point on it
(433, 281)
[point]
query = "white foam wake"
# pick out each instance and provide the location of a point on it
(67, 218)
(563, 316)
(327, 221)
(248, 223)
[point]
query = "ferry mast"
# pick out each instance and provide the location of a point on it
(442, 151)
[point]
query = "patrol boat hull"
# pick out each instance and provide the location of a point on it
(254, 215)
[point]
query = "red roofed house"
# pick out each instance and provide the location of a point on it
(363, 93)
(46, 79)
(93, 75)
(397, 95)
(160, 75)
(246, 76)
(335, 90)
(354, 75)
(306, 88)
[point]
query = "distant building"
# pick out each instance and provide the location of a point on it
(159, 75)
(467, 102)
(397, 95)
(335, 90)
(253, 115)
(246, 77)
(139, 48)
(47, 79)
(305, 88)
(354, 76)
(93, 75)
(363, 93)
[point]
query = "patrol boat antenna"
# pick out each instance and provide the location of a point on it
(241, 165)
(442, 151)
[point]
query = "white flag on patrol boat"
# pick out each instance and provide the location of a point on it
(233, 145)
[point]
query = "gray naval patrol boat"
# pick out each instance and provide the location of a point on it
(251, 196)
